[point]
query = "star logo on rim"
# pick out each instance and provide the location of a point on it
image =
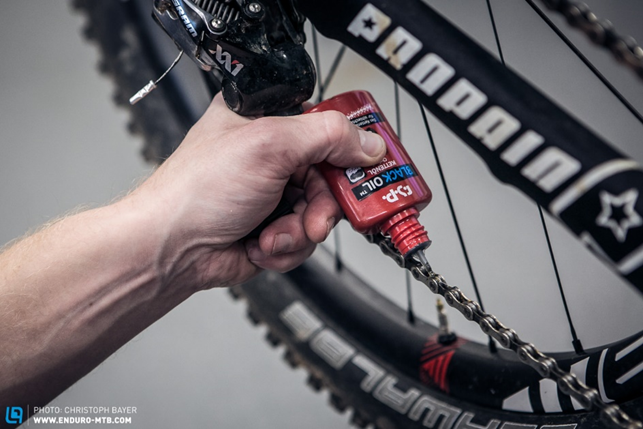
(618, 213)
(369, 23)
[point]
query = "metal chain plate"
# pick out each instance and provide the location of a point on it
(545, 365)
(600, 31)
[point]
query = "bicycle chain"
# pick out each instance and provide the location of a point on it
(546, 366)
(600, 31)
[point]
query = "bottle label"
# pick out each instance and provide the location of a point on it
(382, 180)
(368, 119)
(393, 184)
(386, 173)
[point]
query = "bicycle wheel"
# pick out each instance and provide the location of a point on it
(353, 341)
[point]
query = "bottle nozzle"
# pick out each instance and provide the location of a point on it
(407, 233)
(422, 258)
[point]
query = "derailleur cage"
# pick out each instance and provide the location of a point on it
(258, 48)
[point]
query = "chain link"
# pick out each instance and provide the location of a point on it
(546, 366)
(600, 31)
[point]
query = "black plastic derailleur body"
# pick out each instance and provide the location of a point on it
(257, 46)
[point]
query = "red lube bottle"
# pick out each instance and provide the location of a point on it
(386, 197)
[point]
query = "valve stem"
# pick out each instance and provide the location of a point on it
(445, 336)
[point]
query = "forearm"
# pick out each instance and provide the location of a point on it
(75, 292)
(72, 294)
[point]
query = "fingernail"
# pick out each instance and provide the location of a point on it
(372, 143)
(281, 244)
(330, 224)
(254, 251)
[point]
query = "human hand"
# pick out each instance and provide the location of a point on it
(229, 174)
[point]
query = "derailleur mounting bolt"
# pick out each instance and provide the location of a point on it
(254, 7)
(254, 10)
(218, 24)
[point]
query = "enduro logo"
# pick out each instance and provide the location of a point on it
(225, 59)
(14, 415)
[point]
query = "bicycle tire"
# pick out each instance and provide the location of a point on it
(384, 403)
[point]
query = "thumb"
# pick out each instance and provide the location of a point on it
(324, 136)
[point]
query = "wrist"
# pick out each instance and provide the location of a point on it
(183, 256)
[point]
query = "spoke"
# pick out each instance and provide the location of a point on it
(586, 61)
(492, 344)
(338, 258)
(336, 235)
(410, 315)
(398, 111)
(322, 83)
(398, 129)
(578, 348)
(320, 80)
(447, 194)
(333, 68)
(495, 32)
